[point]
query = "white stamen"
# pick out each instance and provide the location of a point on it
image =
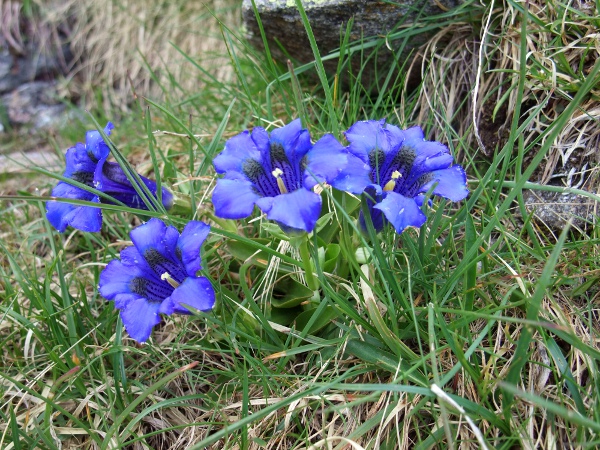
(169, 279)
(280, 184)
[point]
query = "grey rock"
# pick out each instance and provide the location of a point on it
(16, 70)
(554, 209)
(33, 104)
(328, 18)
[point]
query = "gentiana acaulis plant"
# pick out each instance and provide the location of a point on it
(158, 275)
(395, 168)
(277, 173)
(87, 164)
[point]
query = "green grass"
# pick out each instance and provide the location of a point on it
(482, 302)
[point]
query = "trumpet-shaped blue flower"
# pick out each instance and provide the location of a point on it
(86, 164)
(395, 169)
(158, 276)
(276, 172)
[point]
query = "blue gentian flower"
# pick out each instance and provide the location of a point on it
(86, 164)
(82, 160)
(277, 173)
(395, 169)
(158, 276)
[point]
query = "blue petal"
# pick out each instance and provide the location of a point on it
(234, 199)
(62, 214)
(364, 136)
(59, 214)
(148, 235)
(196, 292)
(86, 218)
(373, 195)
(401, 212)
(112, 180)
(157, 243)
(189, 243)
(261, 139)
(167, 198)
(431, 155)
(451, 183)
(122, 300)
(414, 135)
(56, 213)
(238, 149)
(294, 139)
(139, 317)
(299, 209)
(395, 135)
(116, 279)
(325, 161)
(66, 190)
(95, 145)
(131, 257)
(78, 161)
(354, 177)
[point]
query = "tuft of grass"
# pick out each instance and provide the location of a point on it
(478, 330)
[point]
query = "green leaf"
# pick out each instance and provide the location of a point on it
(274, 230)
(325, 317)
(384, 360)
(289, 293)
(332, 257)
(245, 251)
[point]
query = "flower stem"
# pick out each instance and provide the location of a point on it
(311, 281)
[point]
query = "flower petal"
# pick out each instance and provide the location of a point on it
(373, 194)
(149, 235)
(414, 135)
(95, 145)
(139, 317)
(116, 279)
(112, 180)
(451, 183)
(364, 136)
(325, 161)
(294, 139)
(431, 155)
(196, 292)
(189, 243)
(86, 218)
(299, 209)
(354, 177)
(122, 300)
(56, 213)
(401, 211)
(395, 136)
(234, 199)
(157, 243)
(238, 149)
(78, 162)
(62, 214)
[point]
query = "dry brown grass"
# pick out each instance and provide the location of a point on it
(471, 83)
(118, 43)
